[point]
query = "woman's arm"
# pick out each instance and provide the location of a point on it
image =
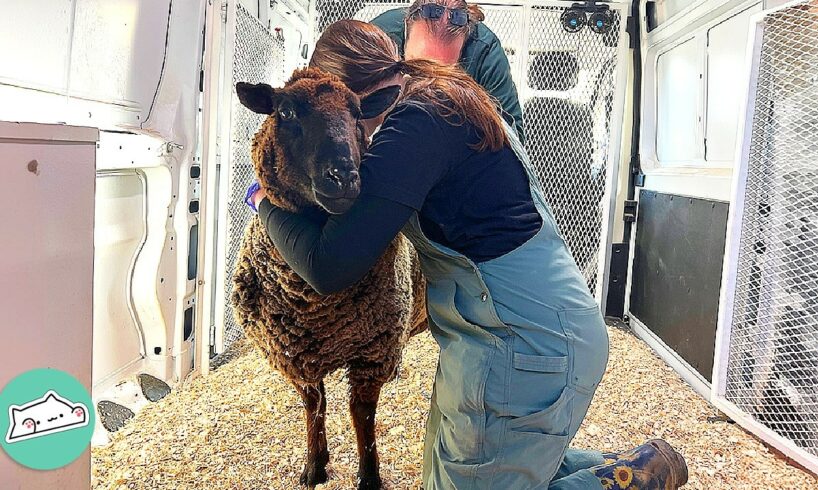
(333, 255)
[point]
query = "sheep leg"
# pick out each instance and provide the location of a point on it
(363, 403)
(315, 408)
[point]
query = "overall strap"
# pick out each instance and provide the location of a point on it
(536, 186)
(436, 251)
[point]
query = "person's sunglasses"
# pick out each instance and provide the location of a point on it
(433, 11)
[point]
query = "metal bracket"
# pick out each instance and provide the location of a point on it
(638, 178)
(636, 169)
(633, 29)
(631, 207)
(224, 12)
(170, 147)
(591, 6)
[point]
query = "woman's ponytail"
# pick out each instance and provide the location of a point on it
(458, 98)
(363, 57)
(399, 67)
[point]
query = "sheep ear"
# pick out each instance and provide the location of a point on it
(379, 101)
(258, 97)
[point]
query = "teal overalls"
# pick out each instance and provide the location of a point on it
(523, 347)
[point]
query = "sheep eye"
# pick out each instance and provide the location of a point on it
(286, 114)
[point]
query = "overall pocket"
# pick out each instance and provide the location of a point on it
(534, 446)
(554, 420)
(536, 383)
(589, 347)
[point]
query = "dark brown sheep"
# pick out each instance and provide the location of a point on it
(306, 156)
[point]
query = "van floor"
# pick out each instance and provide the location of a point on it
(242, 428)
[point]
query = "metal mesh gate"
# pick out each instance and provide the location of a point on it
(329, 11)
(571, 84)
(570, 88)
(769, 377)
(257, 57)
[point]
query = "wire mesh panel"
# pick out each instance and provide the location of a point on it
(372, 10)
(772, 349)
(257, 57)
(570, 92)
(329, 11)
(570, 87)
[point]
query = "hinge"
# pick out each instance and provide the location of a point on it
(638, 175)
(630, 211)
(224, 12)
(638, 179)
(632, 28)
(213, 334)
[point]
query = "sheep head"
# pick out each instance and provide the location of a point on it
(308, 150)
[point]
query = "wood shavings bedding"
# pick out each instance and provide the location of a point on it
(242, 428)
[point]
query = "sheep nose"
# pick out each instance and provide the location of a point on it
(343, 177)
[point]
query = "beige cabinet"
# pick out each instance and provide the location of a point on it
(46, 268)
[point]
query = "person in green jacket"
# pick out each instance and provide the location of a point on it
(478, 50)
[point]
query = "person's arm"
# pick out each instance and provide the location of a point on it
(331, 256)
(407, 158)
(494, 75)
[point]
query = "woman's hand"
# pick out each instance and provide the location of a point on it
(254, 196)
(257, 197)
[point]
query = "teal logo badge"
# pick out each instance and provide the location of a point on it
(46, 419)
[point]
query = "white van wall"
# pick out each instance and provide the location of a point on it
(131, 68)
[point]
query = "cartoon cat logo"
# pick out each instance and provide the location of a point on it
(44, 416)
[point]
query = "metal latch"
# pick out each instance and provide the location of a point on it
(636, 170)
(630, 211)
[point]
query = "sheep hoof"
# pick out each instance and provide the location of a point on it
(372, 482)
(313, 474)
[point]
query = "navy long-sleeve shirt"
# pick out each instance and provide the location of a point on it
(476, 203)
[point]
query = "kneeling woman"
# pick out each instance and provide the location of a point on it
(522, 343)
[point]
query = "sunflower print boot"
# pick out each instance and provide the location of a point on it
(654, 465)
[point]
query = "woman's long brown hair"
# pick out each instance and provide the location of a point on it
(364, 56)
